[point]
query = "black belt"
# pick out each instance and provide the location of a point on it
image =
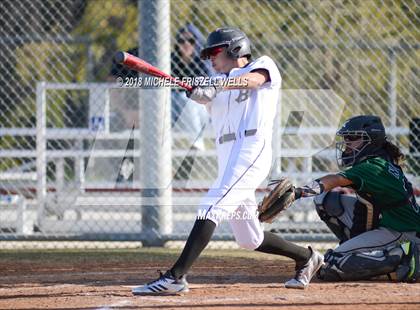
(232, 136)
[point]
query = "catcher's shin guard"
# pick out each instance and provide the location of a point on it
(359, 266)
(328, 211)
(335, 225)
(361, 216)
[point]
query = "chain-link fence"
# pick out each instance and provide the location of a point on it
(81, 157)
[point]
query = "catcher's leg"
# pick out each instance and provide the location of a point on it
(373, 253)
(347, 216)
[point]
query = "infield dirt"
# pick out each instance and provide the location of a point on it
(221, 279)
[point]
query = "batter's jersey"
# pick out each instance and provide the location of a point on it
(237, 110)
(385, 185)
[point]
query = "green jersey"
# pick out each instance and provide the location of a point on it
(384, 185)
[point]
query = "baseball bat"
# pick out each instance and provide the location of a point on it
(140, 65)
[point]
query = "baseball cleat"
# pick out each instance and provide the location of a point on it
(165, 284)
(304, 275)
(411, 261)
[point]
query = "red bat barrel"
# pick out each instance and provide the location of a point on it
(140, 65)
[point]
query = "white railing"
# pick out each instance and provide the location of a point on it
(42, 155)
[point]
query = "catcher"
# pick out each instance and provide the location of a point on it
(379, 226)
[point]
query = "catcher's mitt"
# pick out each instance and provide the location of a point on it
(279, 199)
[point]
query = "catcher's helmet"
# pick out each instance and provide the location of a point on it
(359, 138)
(236, 42)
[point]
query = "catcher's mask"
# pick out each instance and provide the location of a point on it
(236, 42)
(359, 138)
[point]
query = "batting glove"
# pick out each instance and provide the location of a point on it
(205, 94)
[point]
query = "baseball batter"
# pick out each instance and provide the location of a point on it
(242, 113)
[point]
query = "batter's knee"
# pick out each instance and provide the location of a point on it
(250, 243)
(250, 239)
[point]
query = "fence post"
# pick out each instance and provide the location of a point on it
(155, 125)
(41, 149)
(277, 136)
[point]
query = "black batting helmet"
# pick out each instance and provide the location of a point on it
(360, 137)
(236, 42)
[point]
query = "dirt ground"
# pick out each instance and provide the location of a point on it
(220, 280)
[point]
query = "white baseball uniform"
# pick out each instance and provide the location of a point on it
(243, 123)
